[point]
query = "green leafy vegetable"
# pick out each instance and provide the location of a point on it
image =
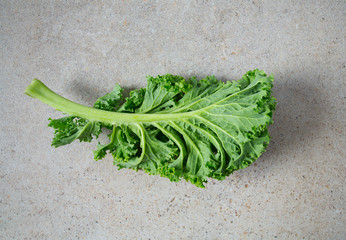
(176, 128)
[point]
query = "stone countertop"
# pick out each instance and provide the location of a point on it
(296, 190)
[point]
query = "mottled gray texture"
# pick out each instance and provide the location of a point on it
(296, 190)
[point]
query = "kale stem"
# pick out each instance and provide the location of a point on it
(40, 91)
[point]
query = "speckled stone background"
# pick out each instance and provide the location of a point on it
(296, 190)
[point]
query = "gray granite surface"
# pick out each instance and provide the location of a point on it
(296, 190)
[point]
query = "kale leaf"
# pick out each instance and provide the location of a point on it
(191, 129)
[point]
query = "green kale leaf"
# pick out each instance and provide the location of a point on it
(176, 128)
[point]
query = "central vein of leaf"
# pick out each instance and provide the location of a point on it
(40, 91)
